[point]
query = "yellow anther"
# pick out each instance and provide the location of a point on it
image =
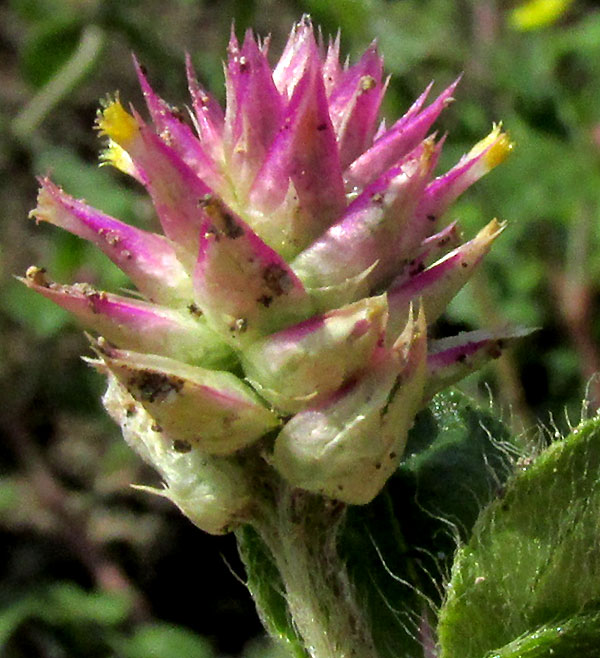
(497, 146)
(499, 151)
(118, 157)
(367, 82)
(118, 124)
(490, 231)
(428, 148)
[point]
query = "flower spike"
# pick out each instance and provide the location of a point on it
(372, 229)
(174, 187)
(293, 61)
(439, 283)
(214, 493)
(208, 114)
(308, 361)
(451, 359)
(305, 154)
(354, 105)
(482, 158)
(254, 108)
(280, 325)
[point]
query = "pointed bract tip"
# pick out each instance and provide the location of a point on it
(491, 230)
(233, 44)
(190, 73)
(414, 329)
(139, 68)
(44, 200)
(458, 80)
(304, 22)
(101, 347)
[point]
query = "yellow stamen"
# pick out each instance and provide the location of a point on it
(490, 231)
(117, 124)
(428, 148)
(499, 151)
(118, 157)
(497, 146)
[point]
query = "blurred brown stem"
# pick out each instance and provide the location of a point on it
(485, 27)
(574, 297)
(574, 303)
(511, 390)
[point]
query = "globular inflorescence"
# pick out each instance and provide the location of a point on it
(285, 307)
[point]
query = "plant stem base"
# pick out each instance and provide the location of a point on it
(300, 530)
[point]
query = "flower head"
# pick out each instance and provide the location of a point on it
(286, 305)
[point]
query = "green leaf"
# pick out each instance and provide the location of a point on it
(264, 648)
(64, 605)
(578, 636)
(398, 547)
(457, 456)
(49, 47)
(160, 640)
(67, 603)
(265, 585)
(12, 615)
(533, 560)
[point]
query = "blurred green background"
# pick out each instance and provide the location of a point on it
(90, 567)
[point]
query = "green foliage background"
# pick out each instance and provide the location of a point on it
(92, 568)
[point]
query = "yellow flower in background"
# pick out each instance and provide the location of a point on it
(536, 14)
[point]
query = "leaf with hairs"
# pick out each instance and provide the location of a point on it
(528, 580)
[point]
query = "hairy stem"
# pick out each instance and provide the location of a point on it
(300, 530)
